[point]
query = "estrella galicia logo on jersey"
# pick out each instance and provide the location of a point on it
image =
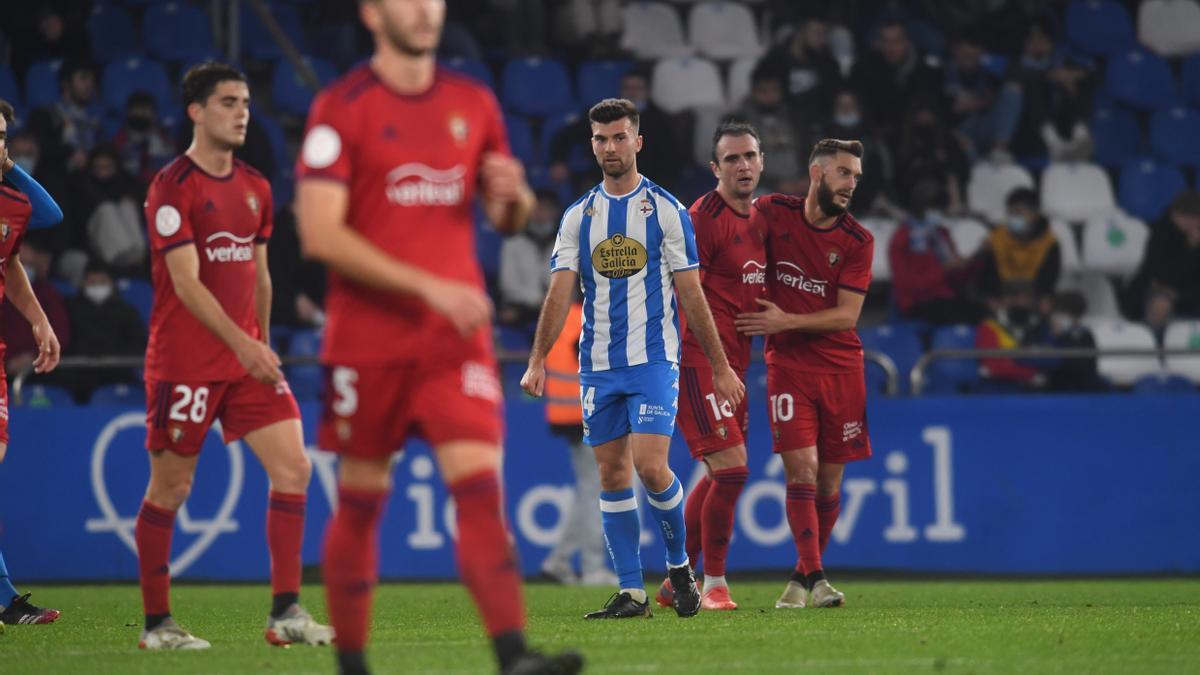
(252, 202)
(239, 249)
(619, 256)
(204, 530)
(792, 275)
(416, 184)
(458, 129)
(754, 272)
(834, 258)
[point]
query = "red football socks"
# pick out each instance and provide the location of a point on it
(802, 517)
(693, 517)
(718, 516)
(486, 561)
(828, 508)
(352, 564)
(153, 536)
(285, 535)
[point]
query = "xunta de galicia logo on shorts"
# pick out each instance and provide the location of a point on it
(619, 257)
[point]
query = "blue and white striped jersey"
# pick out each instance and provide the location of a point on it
(625, 250)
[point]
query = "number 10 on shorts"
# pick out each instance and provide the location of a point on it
(783, 407)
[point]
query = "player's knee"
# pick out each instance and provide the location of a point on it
(615, 475)
(800, 471)
(294, 476)
(169, 492)
(654, 473)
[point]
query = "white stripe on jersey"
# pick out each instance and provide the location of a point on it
(600, 326)
(635, 342)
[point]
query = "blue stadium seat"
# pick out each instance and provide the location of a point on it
(119, 394)
(110, 31)
(900, 341)
(579, 160)
(1116, 136)
(520, 140)
(45, 396)
(275, 136)
(536, 86)
(1190, 80)
(1146, 187)
(256, 39)
(1099, 27)
(458, 42)
(1141, 79)
(952, 375)
(292, 95)
(1175, 135)
(122, 78)
(514, 338)
(1163, 384)
(9, 90)
(305, 380)
(473, 68)
(139, 293)
(175, 31)
(41, 83)
(65, 288)
(600, 79)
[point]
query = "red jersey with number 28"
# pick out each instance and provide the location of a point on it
(733, 264)
(411, 164)
(807, 267)
(224, 218)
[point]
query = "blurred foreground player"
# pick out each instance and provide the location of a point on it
(733, 263)
(819, 268)
(209, 219)
(393, 158)
(20, 211)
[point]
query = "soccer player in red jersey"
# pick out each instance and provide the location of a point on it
(395, 154)
(819, 268)
(733, 265)
(208, 358)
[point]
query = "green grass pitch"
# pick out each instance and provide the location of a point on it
(1012, 626)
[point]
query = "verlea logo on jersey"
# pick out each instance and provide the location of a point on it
(790, 274)
(754, 272)
(238, 249)
(416, 184)
(619, 256)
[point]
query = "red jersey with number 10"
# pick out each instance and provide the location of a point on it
(733, 264)
(224, 217)
(411, 164)
(808, 266)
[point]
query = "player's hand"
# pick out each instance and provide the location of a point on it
(534, 379)
(769, 321)
(728, 387)
(48, 349)
(502, 177)
(3, 451)
(467, 307)
(260, 361)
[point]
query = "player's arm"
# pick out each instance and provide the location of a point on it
(321, 207)
(46, 211)
(507, 199)
(20, 294)
(183, 265)
(262, 292)
(550, 324)
(700, 321)
(772, 319)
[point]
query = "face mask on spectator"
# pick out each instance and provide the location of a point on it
(847, 119)
(98, 293)
(27, 163)
(1018, 225)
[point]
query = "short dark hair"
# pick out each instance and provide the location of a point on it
(613, 109)
(201, 80)
(96, 265)
(732, 127)
(6, 111)
(828, 147)
(141, 98)
(1187, 202)
(1071, 303)
(1022, 196)
(72, 66)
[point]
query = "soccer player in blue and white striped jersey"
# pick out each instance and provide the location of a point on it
(630, 246)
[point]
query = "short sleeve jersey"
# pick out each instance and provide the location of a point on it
(807, 266)
(733, 264)
(223, 217)
(15, 211)
(625, 249)
(411, 165)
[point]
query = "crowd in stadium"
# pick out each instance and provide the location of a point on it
(1036, 195)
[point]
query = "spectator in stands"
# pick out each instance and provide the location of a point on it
(1171, 264)
(1022, 249)
(298, 284)
(984, 108)
(107, 201)
(1014, 323)
(929, 277)
(662, 155)
(144, 146)
(810, 73)
(523, 25)
(891, 77)
(18, 336)
(1067, 331)
(594, 23)
(1160, 311)
(847, 120)
(778, 127)
(50, 36)
(928, 151)
(525, 263)
(1056, 87)
(79, 109)
(104, 325)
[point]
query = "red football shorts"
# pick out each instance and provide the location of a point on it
(178, 414)
(828, 410)
(707, 426)
(369, 412)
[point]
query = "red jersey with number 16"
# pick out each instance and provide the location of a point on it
(411, 165)
(807, 267)
(733, 264)
(223, 217)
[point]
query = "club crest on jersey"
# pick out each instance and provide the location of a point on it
(834, 258)
(252, 202)
(722, 432)
(176, 433)
(645, 207)
(458, 129)
(619, 257)
(3, 231)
